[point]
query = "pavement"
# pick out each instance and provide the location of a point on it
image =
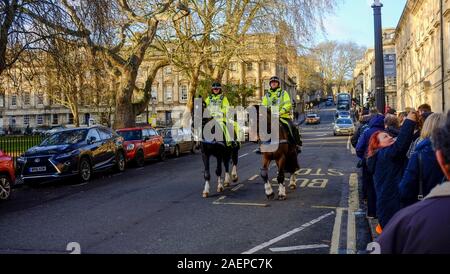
(159, 209)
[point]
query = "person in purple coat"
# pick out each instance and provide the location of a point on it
(424, 228)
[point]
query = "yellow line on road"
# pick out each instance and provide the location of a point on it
(336, 232)
(353, 205)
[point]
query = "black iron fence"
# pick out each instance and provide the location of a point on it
(15, 146)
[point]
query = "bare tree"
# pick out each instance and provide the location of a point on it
(336, 62)
(121, 30)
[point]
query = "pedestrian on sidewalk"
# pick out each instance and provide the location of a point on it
(375, 124)
(423, 172)
(423, 228)
(392, 125)
(386, 160)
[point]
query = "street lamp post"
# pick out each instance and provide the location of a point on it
(379, 59)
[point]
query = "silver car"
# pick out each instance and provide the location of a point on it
(344, 126)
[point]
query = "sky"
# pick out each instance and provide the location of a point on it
(353, 20)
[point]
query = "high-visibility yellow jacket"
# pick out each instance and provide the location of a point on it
(281, 99)
(217, 105)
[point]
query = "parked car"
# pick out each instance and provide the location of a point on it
(53, 130)
(142, 143)
(329, 103)
(344, 126)
(312, 119)
(7, 176)
(41, 131)
(72, 152)
(178, 141)
(2, 132)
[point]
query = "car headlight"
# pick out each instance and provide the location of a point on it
(66, 155)
(130, 147)
(166, 145)
(21, 160)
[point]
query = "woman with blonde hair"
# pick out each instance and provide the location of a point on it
(423, 172)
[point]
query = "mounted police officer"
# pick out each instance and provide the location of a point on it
(280, 98)
(218, 105)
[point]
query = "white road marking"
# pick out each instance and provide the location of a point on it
(353, 205)
(237, 187)
(353, 150)
(243, 155)
(216, 202)
(348, 142)
(242, 204)
(255, 150)
(336, 232)
(253, 177)
(288, 234)
(300, 247)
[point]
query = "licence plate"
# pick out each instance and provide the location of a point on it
(38, 169)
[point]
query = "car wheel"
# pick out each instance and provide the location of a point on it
(120, 162)
(140, 159)
(5, 188)
(177, 151)
(85, 170)
(162, 153)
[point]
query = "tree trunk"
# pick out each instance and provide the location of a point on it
(124, 116)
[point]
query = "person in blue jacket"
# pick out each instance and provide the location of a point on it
(387, 162)
(423, 168)
(423, 228)
(375, 124)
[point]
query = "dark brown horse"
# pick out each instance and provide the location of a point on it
(282, 151)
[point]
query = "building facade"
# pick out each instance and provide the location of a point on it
(423, 65)
(364, 73)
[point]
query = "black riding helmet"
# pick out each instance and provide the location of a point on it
(275, 79)
(216, 86)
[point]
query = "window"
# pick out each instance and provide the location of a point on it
(2, 100)
(168, 70)
(26, 99)
(249, 66)
(26, 119)
(40, 120)
(40, 98)
(145, 133)
(154, 93)
(104, 134)
(183, 93)
(233, 66)
(266, 66)
(71, 118)
(266, 85)
(168, 93)
(152, 132)
(93, 133)
(54, 119)
(14, 100)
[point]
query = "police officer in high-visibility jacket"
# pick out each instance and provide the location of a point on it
(218, 105)
(280, 98)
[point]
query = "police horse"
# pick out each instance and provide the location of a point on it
(283, 151)
(223, 153)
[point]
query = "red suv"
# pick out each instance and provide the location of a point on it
(7, 176)
(142, 143)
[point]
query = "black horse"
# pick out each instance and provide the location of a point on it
(223, 153)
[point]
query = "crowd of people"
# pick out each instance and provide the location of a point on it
(405, 164)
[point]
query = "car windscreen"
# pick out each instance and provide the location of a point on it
(131, 135)
(344, 122)
(68, 137)
(312, 116)
(344, 113)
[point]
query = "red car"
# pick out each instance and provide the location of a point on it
(142, 143)
(7, 176)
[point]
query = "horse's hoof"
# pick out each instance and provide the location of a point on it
(293, 187)
(220, 189)
(270, 197)
(205, 195)
(282, 198)
(226, 184)
(235, 179)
